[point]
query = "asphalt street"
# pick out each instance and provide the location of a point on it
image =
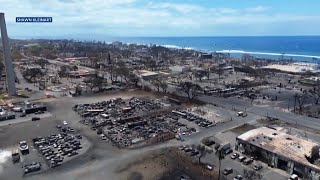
(23, 119)
(241, 105)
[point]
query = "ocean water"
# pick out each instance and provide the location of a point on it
(299, 48)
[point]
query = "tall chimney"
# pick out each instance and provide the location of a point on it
(7, 58)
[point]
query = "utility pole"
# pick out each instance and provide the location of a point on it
(7, 58)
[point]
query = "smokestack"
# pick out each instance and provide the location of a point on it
(7, 58)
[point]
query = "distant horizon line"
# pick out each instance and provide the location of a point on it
(106, 36)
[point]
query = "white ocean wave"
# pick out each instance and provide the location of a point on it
(176, 47)
(189, 48)
(267, 53)
(171, 46)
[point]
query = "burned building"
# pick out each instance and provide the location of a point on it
(278, 149)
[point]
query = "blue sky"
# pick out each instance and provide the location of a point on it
(95, 18)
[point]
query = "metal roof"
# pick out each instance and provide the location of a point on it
(277, 141)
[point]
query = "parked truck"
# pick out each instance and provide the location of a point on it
(15, 156)
(23, 146)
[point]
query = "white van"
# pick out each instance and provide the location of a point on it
(294, 177)
(240, 113)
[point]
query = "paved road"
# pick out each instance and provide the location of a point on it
(263, 111)
(242, 105)
(24, 119)
(37, 94)
(238, 168)
(65, 63)
(22, 82)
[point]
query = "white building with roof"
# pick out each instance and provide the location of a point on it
(278, 149)
(179, 69)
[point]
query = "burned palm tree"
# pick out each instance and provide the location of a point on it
(221, 155)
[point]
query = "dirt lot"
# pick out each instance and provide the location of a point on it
(243, 128)
(165, 164)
